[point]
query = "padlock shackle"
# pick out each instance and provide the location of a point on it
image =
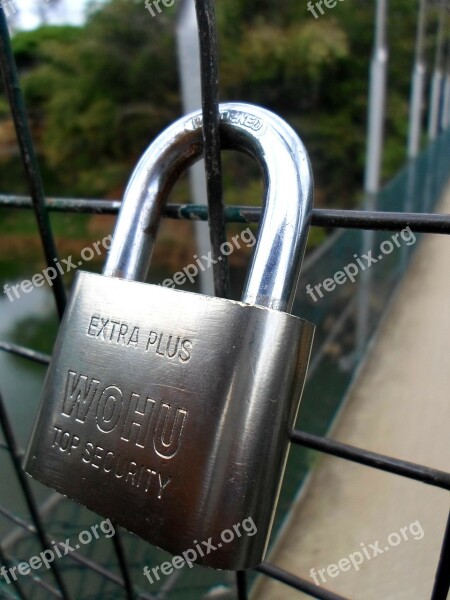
(287, 208)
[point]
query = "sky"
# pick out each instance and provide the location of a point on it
(26, 17)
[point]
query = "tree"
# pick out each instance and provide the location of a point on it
(100, 93)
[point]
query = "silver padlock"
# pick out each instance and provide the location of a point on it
(170, 411)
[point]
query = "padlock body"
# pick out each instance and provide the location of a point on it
(170, 413)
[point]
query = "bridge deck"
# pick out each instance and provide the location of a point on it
(400, 406)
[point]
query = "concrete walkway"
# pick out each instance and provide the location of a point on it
(400, 406)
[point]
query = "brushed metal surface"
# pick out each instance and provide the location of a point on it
(287, 205)
(168, 411)
(219, 383)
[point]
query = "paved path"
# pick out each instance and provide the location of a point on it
(400, 406)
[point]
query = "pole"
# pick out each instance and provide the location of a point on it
(436, 86)
(418, 86)
(377, 100)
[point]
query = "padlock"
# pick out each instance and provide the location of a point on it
(169, 411)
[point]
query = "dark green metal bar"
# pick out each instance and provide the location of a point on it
(29, 161)
(28, 494)
(382, 462)
(123, 565)
(209, 64)
(442, 581)
(241, 585)
(345, 219)
(39, 357)
(74, 555)
(15, 582)
(297, 583)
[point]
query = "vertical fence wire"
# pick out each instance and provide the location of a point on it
(298, 583)
(15, 582)
(241, 585)
(207, 31)
(211, 126)
(123, 564)
(29, 161)
(30, 164)
(28, 494)
(442, 581)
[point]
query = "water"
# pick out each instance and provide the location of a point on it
(21, 383)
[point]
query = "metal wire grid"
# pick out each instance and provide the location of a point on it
(217, 216)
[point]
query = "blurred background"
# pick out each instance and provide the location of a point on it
(101, 80)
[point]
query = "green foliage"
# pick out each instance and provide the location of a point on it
(274, 63)
(99, 94)
(29, 46)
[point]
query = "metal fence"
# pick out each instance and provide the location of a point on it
(109, 565)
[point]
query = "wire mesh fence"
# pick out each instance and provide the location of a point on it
(110, 564)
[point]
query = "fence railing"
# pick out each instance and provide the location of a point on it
(111, 567)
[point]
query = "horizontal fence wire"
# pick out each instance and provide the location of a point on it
(75, 556)
(15, 582)
(297, 583)
(217, 216)
(321, 217)
(404, 468)
(33, 355)
(39, 205)
(426, 475)
(28, 156)
(9, 437)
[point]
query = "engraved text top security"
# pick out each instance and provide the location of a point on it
(169, 411)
